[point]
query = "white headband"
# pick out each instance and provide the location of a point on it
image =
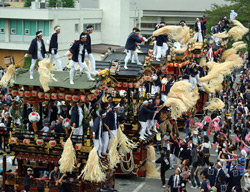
(83, 36)
(39, 34)
(57, 28)
(136, 31)
(104, 114)
(91, 28)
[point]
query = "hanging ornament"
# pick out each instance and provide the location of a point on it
(68, 97)
(150, 52)
(53, 96)
(52, 143)
(66, 123)
(82, 98)
(61, 95)
(27, 94)
(20, 93)
(47, 96)
(39, 142)
(130, 85)
(75, 98)
(137, 85)
(41, 95)
(78, 146)
(125, 84)
(26, 141)
(34, 93)
(13, 140)
(34, 117)
(9, 91)
(14, 92)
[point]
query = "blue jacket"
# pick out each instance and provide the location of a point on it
(202, 27)
(211, 175)
(96, 128)
(75, 116)
(131, 41)
(53, 43)
(33, 49)
(171, 183)
(88, 44)
(144, 113)
(75, 51)
(111, 120)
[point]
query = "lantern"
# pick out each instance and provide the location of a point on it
(68, 97)
(41, 95)
(150, 52)
(169, 57)
(148, 78)
(47, 96)
(141, 81)
(143, 78)
(52, 143)
(119, 84)
(9, 91)
(137, 85)
(34, 93)
(66, 123)
(147, 59)
(82, 98)
(78, 146)
(14, 92)
(125, 84)
(26, 141)
(61, 95)
(75, 98)
(151, 58)
(27, 94)
(53, 96)
(113, 93)
(148, 95)
(39, 142)
(20, 93)
(34, 117)
(92, 96)
(171, 64)
(13, 140)
(130, 85)
(63, 143)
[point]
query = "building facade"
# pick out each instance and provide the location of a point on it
(18, 26)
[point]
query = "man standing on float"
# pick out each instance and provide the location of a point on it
(37, 50)
(53, 48)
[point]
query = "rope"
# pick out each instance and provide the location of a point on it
(131, 168)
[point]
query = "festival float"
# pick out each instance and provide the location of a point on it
(127, 154)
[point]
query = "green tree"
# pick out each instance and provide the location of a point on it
(242, 7)
(68, 3)
(28, 3)
(52, 3)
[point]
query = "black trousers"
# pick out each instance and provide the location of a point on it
(163, 178)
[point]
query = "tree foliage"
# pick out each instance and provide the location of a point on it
(62, 3)
(242, 7)
(28, 3)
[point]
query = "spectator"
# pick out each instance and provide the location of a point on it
(55, 175)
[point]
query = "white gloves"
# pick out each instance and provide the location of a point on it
(153, 161)
(145, 39)
(26, 55)
(138, 47)
(67, 53)
(53, 51)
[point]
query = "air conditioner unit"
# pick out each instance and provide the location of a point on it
(27, 31)
(13, 31)
(2, 30)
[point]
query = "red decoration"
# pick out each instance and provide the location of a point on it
(68, 97)
(61, 96)
(26, 141)
(10, 91)
(41, 95)
(47, 96)
(125, 84)
(34, 93)
(14, 92)
(75, 98)
(39, 142)
(52, 143)
(20, 93)
(27, 94)
(53, 96)
(14, 140)
(78, 146)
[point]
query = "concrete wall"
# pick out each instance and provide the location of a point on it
(89, 3)
(177, 5)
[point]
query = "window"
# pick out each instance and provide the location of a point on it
(16, 27)
(76, 28)
(97, 26)
(31, 27)
(2, 26)
(148, 25)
